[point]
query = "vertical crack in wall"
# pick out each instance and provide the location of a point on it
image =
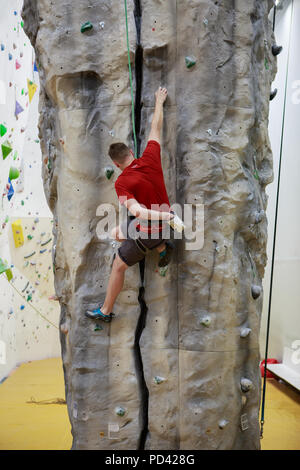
(144, 392)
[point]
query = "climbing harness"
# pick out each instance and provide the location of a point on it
(130, 78)
(262, 419)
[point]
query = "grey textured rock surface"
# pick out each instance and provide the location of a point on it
(179, 369)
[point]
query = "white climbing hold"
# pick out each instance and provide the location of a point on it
(245, 332)
(115, 245)
(223, 423)
(102, 24)
(75, 410)
(158, 380)
(255, 291)
(112, 132)
(244, 422)
(209, 131)
(205, 21)
(246, 385)
(206, 321)
(259, 216)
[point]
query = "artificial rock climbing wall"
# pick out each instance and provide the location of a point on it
(178, 366)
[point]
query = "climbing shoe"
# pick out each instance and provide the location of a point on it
(98, 315)
(166, 255)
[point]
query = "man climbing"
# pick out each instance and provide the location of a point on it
(139, 187)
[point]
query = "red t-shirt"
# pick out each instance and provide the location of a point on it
(143, 179)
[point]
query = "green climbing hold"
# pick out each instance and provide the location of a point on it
(3, 130)
(190, 62)
(120, 411)
(255, 174)
(9, 274)
(6, 149)
(109, 171)
(13, 173)
(266, 64)
(98, 328)
(163, 270)
(3, 267)
(30, 237)
(29, 297)
(86, 27)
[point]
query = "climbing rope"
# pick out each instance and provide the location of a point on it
(130, 78)
(32, 306)
(262, 418)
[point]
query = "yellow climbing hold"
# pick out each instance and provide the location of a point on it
(32, 87)
(17, 233)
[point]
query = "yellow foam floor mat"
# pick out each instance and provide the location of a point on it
(34, 426)
(282, 417)
(33, 418)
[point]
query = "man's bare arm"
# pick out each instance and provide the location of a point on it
(157, 120)
(146, 214)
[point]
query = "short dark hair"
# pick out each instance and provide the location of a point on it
(118, 152)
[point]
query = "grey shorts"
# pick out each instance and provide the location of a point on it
(134, 250)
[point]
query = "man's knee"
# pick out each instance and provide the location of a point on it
(119, 264)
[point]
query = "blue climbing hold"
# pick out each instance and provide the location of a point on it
(10, 191)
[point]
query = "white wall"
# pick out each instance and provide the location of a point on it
(24, 333)
(285, 306)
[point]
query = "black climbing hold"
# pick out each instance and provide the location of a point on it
(86, 27)
(255, 291)
(273, 94)
(276, 49)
